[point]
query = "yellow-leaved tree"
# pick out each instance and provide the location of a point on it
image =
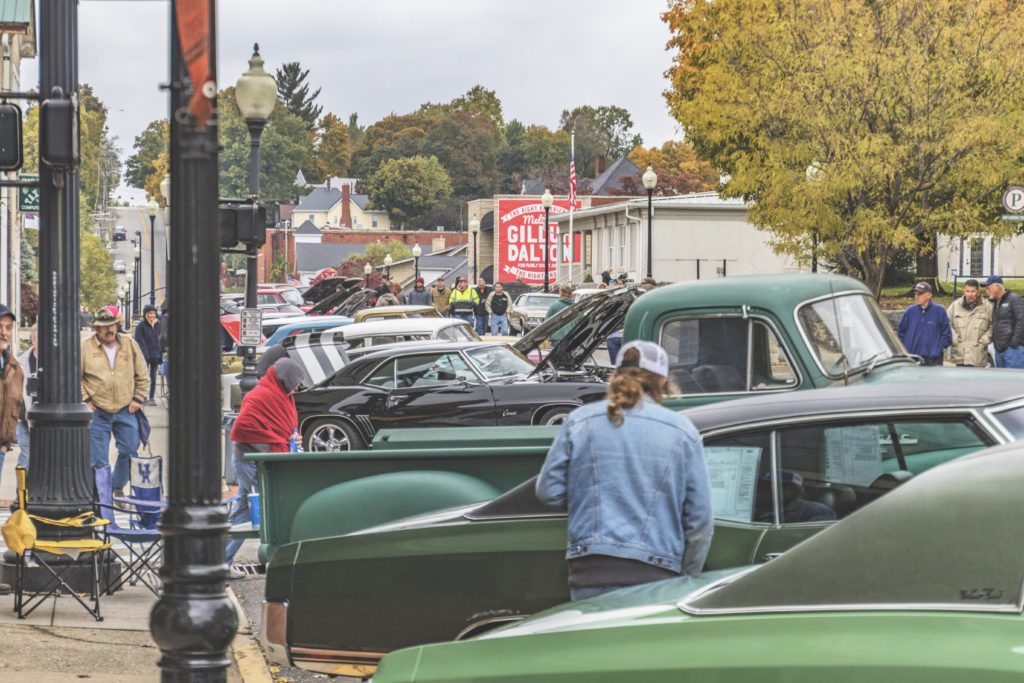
(857, 128)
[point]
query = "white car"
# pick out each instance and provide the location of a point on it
(119, 266)
(394, 330)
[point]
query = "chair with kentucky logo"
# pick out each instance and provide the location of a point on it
(141, 546)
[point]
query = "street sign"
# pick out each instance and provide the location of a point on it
(1013, 199)
(28, 197)
(1013, 217)
(251, 331)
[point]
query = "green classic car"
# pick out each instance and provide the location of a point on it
(923, 586)
(341, 602)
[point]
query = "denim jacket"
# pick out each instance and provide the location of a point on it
(638, 491)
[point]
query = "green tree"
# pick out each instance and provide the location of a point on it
(284, 147)
(393, 137)
(98, 282)
(355, 131)
(333, 154)
(858, 129)
(547, 157)
(600, 132)
(467, 147)
(477, 100)
(409, 187)
(512, 157)
(293, 91)
(150, 144)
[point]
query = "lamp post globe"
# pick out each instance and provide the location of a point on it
(165, 189)
(151, 208)
(650, 181)
(256, 95)
(547, 200)
(416, 252)
(367, 269)
(387, 265)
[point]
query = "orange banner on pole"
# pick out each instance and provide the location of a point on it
(193, 18)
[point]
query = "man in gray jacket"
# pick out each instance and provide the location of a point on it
(419, 295)
(970, 319)
(1007, 324)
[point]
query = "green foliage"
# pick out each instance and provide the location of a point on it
(872, 125)
(293, 91)
(355, 131)
(149, 145)
(99, 169)
(600, 132)
(29, 258)
(98, 281)
(393, 137)
(477, 100)
(409, 187)
(333, 154)
(467, 147)
(374, 253)
(284, 146)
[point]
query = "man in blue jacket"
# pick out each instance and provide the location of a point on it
(924, 328)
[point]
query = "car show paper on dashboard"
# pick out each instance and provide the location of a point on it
(733, 474)
(853, 454)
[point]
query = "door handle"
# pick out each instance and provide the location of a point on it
(768, 557)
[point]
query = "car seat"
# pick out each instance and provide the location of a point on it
(719, 378)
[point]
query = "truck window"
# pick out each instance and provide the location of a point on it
(715, 355)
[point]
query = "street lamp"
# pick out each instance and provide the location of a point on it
(138, 267)
(256, 95)
(165, 192)
(474, 234)
(547, 200)
(151, 208)
(416, 252)
(367, 269)
(387, 265)
(650, 180)
(132, 310)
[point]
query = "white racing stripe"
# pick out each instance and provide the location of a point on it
(308, 358)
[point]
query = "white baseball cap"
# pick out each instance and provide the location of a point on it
(653, 358)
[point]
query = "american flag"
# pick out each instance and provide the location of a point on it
(572, 179)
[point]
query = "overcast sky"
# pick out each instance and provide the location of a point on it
(383, 56)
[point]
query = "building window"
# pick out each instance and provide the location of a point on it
(374, 222)
(622, 248)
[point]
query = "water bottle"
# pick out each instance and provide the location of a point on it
(294, 441)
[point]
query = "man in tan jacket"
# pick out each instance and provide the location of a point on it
(12, 383)
(970, 319)
(440, 296)
(115, 383)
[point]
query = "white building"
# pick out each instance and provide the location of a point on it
(695, 236)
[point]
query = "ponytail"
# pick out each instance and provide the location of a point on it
(629, 385)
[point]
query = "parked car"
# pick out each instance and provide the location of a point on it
(529, 310)
(280, 328)
(119, 266)
(925, 585)
(582, 293)
(279, 310)
(120, 233)
(480, 565)
(279, 294)
(444, 384)
(395, 330)
(402, 311)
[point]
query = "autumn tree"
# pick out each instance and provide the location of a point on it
(393, 137)
(605, 132)
(409, 187)
(151, 143)
(679, 169)
(332, 153)
(283, 149)
(857, 129)
(293, 92)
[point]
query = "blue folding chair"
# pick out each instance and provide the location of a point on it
(142, 543)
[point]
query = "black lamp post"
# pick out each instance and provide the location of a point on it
(131, 309)
(194, 620)
(165, 192)
(416, 252)
(650, 180)
(547, 200)
(387, 266)
(137, 254)
(151, 208)
(256, 95)
(474, 234)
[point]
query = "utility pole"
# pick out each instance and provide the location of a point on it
(60, 481)
(194, 621)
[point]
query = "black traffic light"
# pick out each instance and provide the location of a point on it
(10, 137)
(242, 221)
(58, 132)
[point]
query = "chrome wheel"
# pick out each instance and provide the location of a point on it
(329, 437)
(555, 417)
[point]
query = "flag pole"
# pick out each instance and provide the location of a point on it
(572, 198)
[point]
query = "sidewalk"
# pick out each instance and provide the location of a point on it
(60, 643)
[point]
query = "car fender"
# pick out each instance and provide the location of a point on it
(381, 498)
(548, 406)
(342, 417)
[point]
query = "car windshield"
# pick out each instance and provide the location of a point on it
(848, 332)
(495, 362)
(537, 301)
(292, 296)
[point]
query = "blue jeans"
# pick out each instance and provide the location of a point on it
(481, 324)
(468, 317)
(614, 344)
(125, 427)
(245, 474)
(1012, 357)
(499, 325)
(154, 366)
(22, 436)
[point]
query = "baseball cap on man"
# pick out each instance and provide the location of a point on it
(103, 318)
(6, 311)
(652, 358)
(923, 287)
(993, 280)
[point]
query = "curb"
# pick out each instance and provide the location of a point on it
(248, 656)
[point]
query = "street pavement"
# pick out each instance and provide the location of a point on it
(135, 219)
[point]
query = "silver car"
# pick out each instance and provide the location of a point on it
(529, 311)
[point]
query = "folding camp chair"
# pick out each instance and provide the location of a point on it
(140, 547)
(19, 532)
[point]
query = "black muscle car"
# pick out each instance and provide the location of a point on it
(433, 385)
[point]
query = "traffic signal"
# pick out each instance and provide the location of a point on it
(242, 222)
(58, 133)
(10, 137)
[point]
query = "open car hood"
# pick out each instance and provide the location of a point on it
(344, 301)
(324, 288)
(321, 354)
(591, 321)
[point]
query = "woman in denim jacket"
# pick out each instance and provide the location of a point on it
(633, 477)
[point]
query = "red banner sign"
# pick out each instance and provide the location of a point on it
(520, 235)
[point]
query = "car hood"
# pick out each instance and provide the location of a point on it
(343, 302)
(328, 286)
(659, 599)
(592, 320)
